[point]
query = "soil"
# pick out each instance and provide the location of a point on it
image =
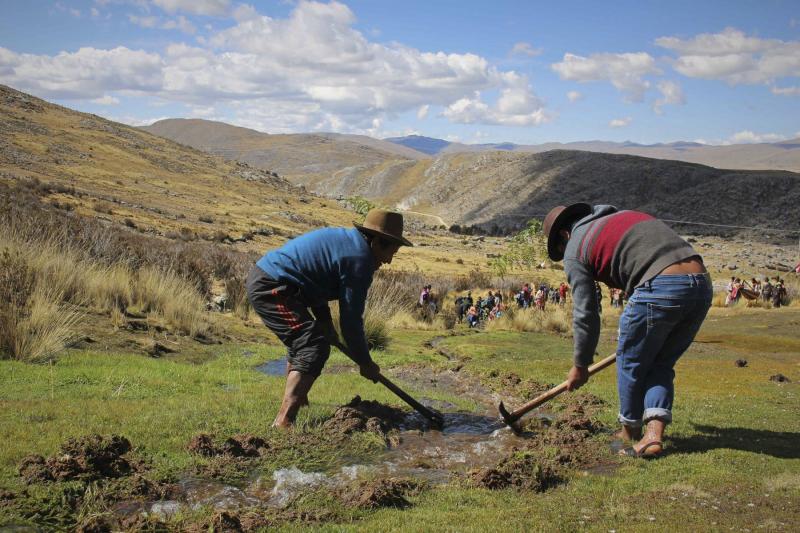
(360, 415)
(780, 378)
(243, 445)
(378, 493)
(85, 458)
(552, 449)
(741, 363)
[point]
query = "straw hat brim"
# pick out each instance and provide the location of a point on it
(402, 241)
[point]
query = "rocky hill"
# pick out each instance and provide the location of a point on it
(500, 190)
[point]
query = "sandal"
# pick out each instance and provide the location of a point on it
(631, 451)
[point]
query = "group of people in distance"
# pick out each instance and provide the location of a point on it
(769, 291)
(531, 296)
(482, 309)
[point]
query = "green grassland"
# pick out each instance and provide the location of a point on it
(733, 460)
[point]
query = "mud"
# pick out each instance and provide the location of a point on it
(373, 494)
(85, 458)
(741, 363)
(780, 378)
(552, 448)
(360, 415)
(243, 445)
(511, 385)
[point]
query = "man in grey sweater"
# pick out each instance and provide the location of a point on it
(669, 295)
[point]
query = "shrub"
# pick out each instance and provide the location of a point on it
(205, 218)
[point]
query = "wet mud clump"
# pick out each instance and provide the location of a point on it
(374, 494)
(552, 449)
(244, 445)
(522, 470)
(86, 458)
(360, 415)
(740, 363)
(780, 378)
(510, 385)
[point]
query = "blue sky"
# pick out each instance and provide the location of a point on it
(525, 72)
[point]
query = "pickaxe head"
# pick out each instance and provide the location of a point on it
(510, 421)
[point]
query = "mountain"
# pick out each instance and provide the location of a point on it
(784, 155)
(303, 158)
(426, 145)
(500, 190)
(128, 177)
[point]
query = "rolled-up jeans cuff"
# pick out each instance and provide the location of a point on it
(665, 415)
(629, 422)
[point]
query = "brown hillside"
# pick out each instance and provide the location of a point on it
(304, 158)
(145, 184)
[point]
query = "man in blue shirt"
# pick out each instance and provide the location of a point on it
(290, 288)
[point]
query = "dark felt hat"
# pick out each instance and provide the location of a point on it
(559, 218)
(384, 224)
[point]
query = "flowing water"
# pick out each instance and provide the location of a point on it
(467, 441)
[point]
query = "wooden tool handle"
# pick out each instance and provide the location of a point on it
(558, 389)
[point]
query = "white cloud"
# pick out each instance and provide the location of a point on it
(526, 49)
(574, 96)
(195, 7)
(671, 94)
(733, 57)
(422, 112)
(625, 71)
(136, 121)
(95, 12)
(749, 137)
(144, 22)
(310, 70)
(786, 91)
(180, 23)
(86, 74)
(106, 100)
(620, 122)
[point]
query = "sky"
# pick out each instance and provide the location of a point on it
(528, 72)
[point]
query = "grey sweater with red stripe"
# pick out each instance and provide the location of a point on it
(622, 249)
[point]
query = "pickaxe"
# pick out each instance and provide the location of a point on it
(434, 417)
(512, 418)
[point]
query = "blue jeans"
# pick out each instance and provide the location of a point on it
(659, 323)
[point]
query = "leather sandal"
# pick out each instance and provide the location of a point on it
(631, 451)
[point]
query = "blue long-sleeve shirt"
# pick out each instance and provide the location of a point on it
(329, 264)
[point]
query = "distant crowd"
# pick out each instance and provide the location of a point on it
(769, 291)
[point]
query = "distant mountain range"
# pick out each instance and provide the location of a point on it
(784, 155)
(500, 189)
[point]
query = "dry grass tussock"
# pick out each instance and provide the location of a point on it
(387, 298)
(45, 284)
(35, 321)
(553, 319)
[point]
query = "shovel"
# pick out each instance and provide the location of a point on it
(512, 418)
(434, 417)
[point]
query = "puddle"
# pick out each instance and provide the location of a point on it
(276, 367)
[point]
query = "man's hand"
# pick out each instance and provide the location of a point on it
(370, 371)
(577, 377)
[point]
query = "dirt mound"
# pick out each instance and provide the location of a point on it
(741, 363)
(521, 470)
(85, 458)
(225, 522)
(780, 378)
(243, 445)
(361, 415)
(510, 384)
(374, 494)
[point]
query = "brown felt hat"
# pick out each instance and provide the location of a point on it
(557, 219)
(386, 225)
